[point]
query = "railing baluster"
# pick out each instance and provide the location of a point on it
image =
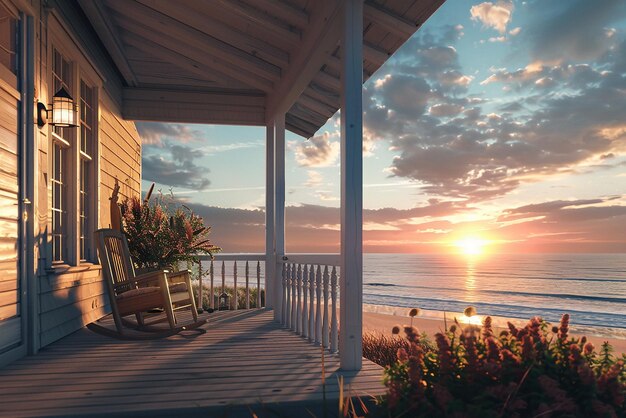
(258, 285)
(293, 296)
(325, 307)
(318, 311)
(247, 286)
(235, 285)
(311, 289)
(199, 304)
(288, 291)
(223, 277)
(212, 292)
(305, 306)
(334, 337)
(283, 313)
(299, 300)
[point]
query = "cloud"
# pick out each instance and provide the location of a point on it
(155, 133)
(495, 16)
(544, 208)
(319, 151)
(555, 118)
(175, 166)
(589, 223)
(445, 109)
(405, 95)
(314, 179)
(573, 30)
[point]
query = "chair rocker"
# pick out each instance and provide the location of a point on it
(132, 294)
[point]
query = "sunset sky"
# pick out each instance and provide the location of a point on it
(501, 122)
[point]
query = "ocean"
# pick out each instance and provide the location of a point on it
(590, 287)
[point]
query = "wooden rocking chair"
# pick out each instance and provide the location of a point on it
(132, 294)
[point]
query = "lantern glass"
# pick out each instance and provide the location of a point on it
(63, 109)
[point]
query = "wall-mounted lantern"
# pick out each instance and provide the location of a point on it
(223, 302)
(63, 111)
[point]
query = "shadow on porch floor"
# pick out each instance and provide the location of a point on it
(245, 358)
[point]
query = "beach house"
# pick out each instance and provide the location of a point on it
(76, 74)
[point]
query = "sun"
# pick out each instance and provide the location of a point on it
(471, 245)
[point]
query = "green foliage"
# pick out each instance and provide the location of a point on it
(241, 296)
(522, 372)
(161, 234)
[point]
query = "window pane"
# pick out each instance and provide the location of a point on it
(88, 138)
(61, 77)
(8, 39)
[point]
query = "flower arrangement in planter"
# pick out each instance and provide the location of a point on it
(161, 234)
(534, 371)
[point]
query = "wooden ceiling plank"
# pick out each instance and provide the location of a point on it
(101, 23)
(327, 80)
(305, 113)
(323, 95)
(285, 11)
(196, 17)
(193, 106)
(374, 54)
(295, 123)
(196, 55)
(296, 130)
(318, 43)
(198, 97)
(315, 105)
(162, 24)
(189, 64)
(258, 17)
(389, 20)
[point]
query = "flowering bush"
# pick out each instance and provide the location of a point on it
(534, 371)
(159, 237)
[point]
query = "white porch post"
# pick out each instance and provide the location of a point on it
(351, 282)
(270, 249)
(279, 210)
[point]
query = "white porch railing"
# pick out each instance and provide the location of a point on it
(243, 271)
(310, 292)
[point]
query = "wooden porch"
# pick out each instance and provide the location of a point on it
(244, 363)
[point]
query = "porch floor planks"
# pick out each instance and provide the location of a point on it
(244, 358)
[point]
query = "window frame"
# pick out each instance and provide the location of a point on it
(92, 204)
(61, 139)
(81, 70)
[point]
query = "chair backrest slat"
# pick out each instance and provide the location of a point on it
(115, 257)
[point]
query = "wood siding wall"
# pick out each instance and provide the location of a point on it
(74, 296)
(10, 321)
(120, 157)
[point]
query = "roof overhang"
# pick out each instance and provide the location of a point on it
(242, 62)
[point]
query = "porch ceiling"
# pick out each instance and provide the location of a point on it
(242, 61)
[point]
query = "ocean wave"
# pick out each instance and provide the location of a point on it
(579, 317)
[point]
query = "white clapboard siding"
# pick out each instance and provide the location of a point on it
(70, 300)
(10, 321)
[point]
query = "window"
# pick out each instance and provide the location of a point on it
(61, 77)
(87, 147)
(8, 39)
(74, 166)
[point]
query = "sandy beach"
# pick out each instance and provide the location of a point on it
(383, 323)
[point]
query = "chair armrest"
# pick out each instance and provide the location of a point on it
(183, 276)
(150, 278)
